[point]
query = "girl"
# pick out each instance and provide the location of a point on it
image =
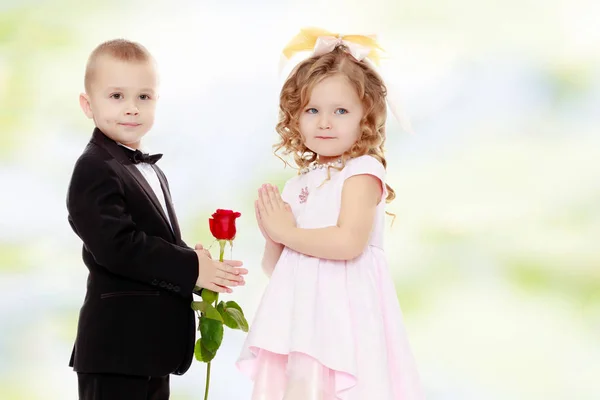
(329, 325)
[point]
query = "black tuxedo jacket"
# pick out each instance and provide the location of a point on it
(136, 318)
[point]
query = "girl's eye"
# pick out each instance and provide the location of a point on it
(341, 111)
(312, 111)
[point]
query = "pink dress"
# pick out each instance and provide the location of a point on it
(329, 329)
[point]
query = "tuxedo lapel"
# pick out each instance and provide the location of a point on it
(144, 184)
(169, 202)
(113, 148)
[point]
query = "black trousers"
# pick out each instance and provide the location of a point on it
(122, 387)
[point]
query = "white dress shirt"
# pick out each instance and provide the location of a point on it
(150, 175)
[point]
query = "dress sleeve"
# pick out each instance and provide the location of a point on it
(286, 192)
(366, 165)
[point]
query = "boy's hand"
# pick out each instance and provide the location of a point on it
(218, 276)
(200, 247)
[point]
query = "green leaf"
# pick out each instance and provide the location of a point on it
(201, 353)
(232, 314)
(198, 305)
(227, 318)
(239, 319)
(209, 296)
(207, 310)
(212, 333)
(233, 304)
(212, 313)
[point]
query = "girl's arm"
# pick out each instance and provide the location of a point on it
(360, 196)
(271, 255)
(272, 250)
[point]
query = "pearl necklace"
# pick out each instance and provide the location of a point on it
(314, 165)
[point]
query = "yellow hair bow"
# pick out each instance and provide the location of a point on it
(321, 41)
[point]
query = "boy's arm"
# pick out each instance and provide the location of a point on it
(98, 214)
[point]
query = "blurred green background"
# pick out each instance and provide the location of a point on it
(495, 245)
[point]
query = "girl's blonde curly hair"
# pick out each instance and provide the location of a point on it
(295, 95)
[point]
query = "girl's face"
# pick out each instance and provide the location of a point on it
(330, 122)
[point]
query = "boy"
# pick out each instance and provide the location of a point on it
(136, 325)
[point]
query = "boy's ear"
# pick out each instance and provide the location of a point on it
(84, 102)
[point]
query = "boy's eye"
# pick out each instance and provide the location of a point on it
(116, 96)
(144, 97)
(312, 111)
(341, 111)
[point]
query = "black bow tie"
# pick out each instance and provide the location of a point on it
(137, 156)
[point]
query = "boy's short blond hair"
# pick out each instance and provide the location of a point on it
(120, 49)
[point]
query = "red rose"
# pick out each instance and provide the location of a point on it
(222, 224)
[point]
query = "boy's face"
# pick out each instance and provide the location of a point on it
(122, 99)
